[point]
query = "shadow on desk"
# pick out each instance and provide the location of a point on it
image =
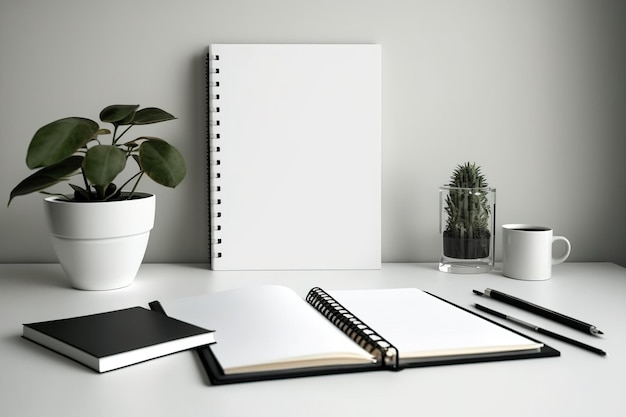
(36, 351)
(40, 275)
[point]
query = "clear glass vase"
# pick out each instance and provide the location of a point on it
(467, 218)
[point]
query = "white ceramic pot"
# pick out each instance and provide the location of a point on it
(101, 245)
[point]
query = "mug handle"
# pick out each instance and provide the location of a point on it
(567, 250)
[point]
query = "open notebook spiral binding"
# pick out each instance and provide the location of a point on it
(354, 328)
(214, 161)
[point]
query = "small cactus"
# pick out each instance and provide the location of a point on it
(468, 176)
(468, 211)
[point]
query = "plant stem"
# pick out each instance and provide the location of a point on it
(135, 186)
(82, 171)
(139, 174)
(114, 133)
(115, 140)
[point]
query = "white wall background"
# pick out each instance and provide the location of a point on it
(532, 90)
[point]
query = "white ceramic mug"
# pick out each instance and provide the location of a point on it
(527, 251)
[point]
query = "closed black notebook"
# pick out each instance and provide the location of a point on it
(114, 339)
(269, 332)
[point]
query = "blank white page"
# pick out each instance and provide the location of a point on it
(299, 139)
(420, 325)
(263, 328)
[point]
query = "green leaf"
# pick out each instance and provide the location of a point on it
(119, 114)
(162, 162)
(133, 144)
(58, 140)
(151, 115)
(103, 132)
(47, 177)
(103, 163)
(80, 193)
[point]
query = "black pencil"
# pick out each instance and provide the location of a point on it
(542, 311)
(542, 331)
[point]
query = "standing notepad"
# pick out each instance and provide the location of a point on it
(294, 156)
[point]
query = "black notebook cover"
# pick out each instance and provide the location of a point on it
(218, 377)
(114, 339)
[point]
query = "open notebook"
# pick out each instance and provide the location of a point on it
(269, 332)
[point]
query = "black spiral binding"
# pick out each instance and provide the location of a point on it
(358, 331)
(214, 161)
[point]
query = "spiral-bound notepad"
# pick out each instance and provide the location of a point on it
(294, 156)
(269, 332)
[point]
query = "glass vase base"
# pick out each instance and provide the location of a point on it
(465, 266)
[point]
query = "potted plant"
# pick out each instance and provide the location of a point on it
(467, 220)
(100, 230)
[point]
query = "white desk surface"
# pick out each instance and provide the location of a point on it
(37, 382)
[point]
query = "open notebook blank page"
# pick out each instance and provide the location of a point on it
(261, 328)
(420, 325)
